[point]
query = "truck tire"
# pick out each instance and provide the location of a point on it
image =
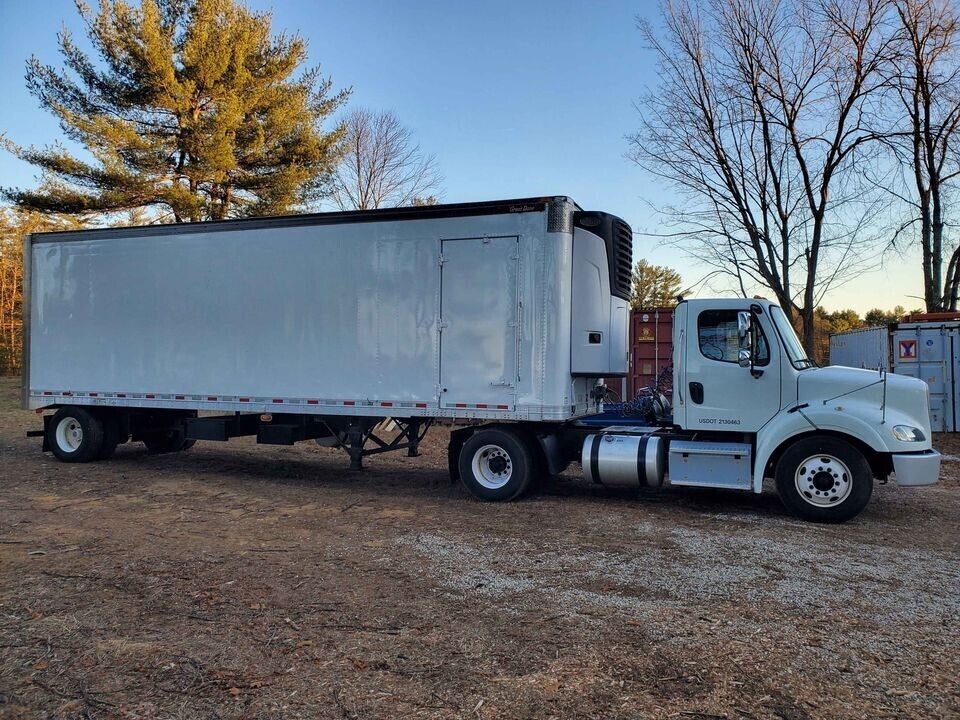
(495, 465)
(824, 479)
(111, 435)
(75, 435)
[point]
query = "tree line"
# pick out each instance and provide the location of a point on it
(804, 137)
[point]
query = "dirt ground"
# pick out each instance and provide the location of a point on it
(237, 581)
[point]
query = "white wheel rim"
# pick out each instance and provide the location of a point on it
(69, 434)
(823, 480)
(492, 466)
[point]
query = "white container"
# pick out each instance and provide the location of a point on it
(868, 349)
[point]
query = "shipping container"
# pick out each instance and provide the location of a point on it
(928, 349)
(651, 346)
(868, 348)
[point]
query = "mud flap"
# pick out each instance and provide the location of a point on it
(457, 439)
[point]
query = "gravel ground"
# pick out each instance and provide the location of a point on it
(238, 581)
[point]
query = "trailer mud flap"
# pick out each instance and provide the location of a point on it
(457, 439)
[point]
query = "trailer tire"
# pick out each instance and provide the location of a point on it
(111, 435)
(496, 465)
(824, 479)
(75, 435)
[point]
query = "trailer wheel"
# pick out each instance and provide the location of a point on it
(111, 435)
(75, 435)
(824, 479)
(496, 464)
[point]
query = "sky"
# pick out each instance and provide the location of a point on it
(515, 99)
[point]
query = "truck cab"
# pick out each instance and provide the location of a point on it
(749, 404)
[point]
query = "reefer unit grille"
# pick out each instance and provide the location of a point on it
(622, 265)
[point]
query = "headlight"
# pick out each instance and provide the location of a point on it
(908, 433)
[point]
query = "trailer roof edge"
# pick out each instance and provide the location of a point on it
(424, 212)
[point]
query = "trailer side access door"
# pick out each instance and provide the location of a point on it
(478, 322)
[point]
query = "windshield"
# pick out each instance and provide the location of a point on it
(796, 353)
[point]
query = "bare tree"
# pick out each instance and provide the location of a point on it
(926, 81)
(382, 165)
(760, 118)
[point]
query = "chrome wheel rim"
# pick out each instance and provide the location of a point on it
(823, 480)
(492, 467)
(69, 434)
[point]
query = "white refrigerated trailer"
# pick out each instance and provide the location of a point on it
(501, 315)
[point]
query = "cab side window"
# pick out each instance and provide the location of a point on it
(719, 340)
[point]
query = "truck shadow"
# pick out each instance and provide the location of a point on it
(709, 501)
(414, 477)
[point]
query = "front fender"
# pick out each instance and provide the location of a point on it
(844, 420)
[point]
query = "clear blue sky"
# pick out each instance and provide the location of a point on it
(514, 98)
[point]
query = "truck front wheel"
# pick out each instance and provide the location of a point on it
(824, 479)
(75, 435)
(496, 464)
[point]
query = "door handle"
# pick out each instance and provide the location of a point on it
(696, 392)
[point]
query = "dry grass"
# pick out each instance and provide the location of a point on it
(243, 581)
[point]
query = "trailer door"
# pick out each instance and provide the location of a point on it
(478, 323)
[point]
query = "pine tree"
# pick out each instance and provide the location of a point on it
(654, 286)
(194, 111)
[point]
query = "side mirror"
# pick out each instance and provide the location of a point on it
(745, 349)
(743, 326)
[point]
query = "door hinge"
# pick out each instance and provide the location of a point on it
(441, 260)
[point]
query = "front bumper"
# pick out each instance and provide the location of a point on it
(916, 469)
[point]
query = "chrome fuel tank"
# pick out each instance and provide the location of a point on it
(624, 460)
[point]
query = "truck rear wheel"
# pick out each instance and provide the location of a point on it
(824, 479)
(496, 464)
(75, 435)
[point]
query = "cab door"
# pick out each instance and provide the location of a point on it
(718, 394)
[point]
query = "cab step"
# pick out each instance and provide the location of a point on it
(710, 464)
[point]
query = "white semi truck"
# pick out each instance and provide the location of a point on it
(503, 316)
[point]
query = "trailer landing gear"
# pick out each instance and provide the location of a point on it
(355, 437)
